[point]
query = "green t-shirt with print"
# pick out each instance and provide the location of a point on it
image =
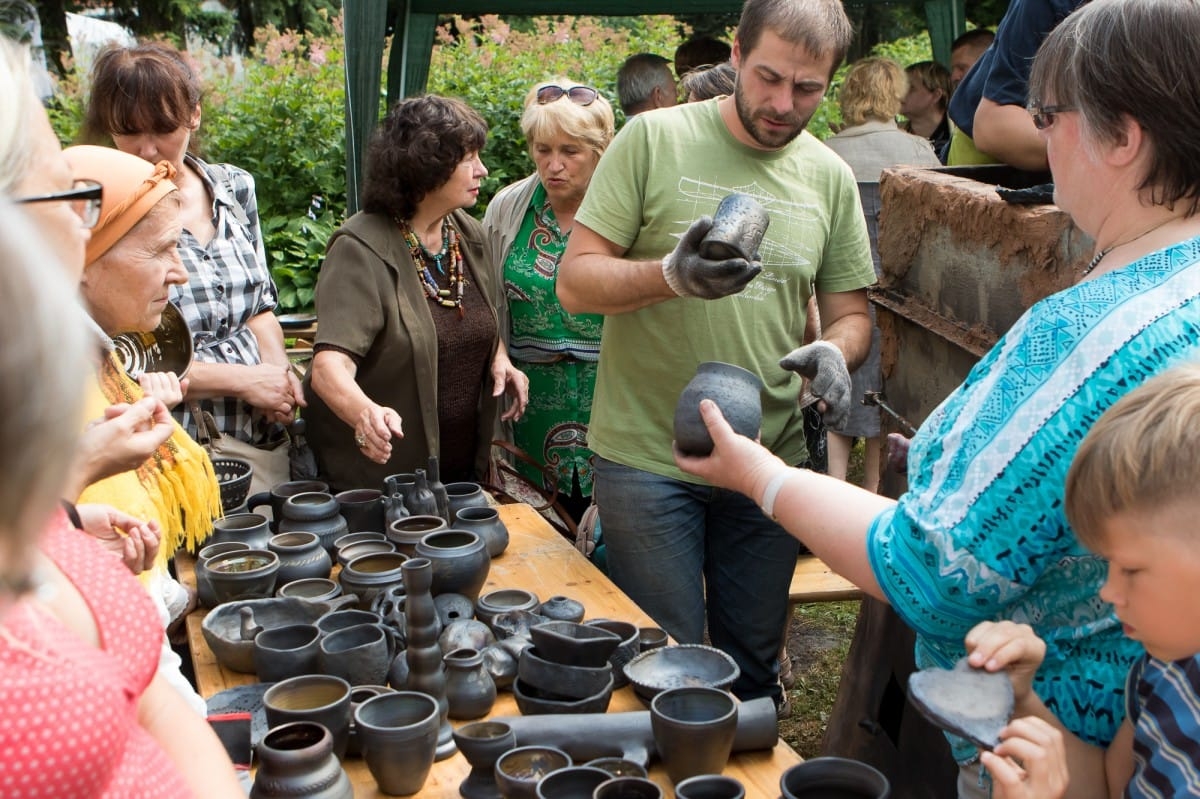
(664, 169)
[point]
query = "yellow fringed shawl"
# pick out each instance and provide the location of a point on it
(176, 486)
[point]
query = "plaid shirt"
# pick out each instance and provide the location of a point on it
(228, 284)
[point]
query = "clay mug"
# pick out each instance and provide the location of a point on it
(360, 655)
(736, 391)
(362, 508)
(693, 729)
(398, 733)
(738, 228)
(319, 698)
(284, 652)
(834, 776)
(279, 494)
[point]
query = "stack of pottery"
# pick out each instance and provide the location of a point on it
(567, 670)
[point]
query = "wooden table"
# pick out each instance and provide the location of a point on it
(538, 559)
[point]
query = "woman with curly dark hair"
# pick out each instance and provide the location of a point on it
(408, 358)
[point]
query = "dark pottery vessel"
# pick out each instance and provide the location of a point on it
(204, 591)
(572, 782)
(233, 478)
(406, 533)
(465, 634)
(367, 575)
(358, 695)
(311, 589)
(286, 652)
(562, 608)
(628, 649)
(348, 553)
(362, 508)
(712, 786)
(628, 787)
(249, 528)
(736, 391)
(833, 778)
(693, 730)
(486, 522)
(651, 638)
(459, 560)
(465, 495)
(360, 655)
(470, 691)
(242, 574)
(398, 734)
(426, 670)
(482, 743)
(300, 555)
(453, 607)
(230, 629)
(314, 512)
(560, 680)
(533, 702)
(344, 619)
(518, 771)
(280, 493)
(739, 224)
(296, 761)
(420, 499)
(501, 664)
(504, 599)
(319, 698)
(349, 539)
(619, 767)
(679, 665)
(440, 495)
(573, 643)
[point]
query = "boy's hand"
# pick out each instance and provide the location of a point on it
(1030, 763)
(995, 645)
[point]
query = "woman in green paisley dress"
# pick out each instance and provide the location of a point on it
(567, 126)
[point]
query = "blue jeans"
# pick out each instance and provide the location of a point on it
(679, 549)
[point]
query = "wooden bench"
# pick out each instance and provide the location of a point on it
(813, 581)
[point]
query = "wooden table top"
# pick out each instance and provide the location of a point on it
(540, 560)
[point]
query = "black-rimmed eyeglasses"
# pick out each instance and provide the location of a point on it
(580, 95)
(85, 198)
(1043, 115)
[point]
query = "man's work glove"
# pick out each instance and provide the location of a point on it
(829, 380)
(690, 275)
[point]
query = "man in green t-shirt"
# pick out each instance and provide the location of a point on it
(672, 540)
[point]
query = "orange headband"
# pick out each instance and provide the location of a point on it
(131, 188)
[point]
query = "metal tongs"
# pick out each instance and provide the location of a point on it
(875, 398)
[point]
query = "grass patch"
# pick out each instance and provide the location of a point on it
(818, 641)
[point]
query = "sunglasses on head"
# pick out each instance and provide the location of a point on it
(580, 95)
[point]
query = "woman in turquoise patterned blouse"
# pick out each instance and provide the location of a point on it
(567, 126)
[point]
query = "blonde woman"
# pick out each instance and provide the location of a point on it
(567, 127)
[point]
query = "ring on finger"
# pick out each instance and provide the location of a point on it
(360, 439)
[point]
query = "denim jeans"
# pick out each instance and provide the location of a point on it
(679, 549)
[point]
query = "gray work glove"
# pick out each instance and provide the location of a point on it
(690, 275)
(829, 380)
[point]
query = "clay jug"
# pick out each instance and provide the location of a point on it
(426, 671)
(314, 512)
(363, 509)
(300, 555)
(420, 500)
(470, 691)
(438, 488)
(296, 761)
(394, 508)
(736, 391)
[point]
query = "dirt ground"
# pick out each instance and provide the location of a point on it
(818, 640)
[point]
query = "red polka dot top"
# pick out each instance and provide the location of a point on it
(68, 711)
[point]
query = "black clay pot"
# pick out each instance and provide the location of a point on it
(296, 761)
(314, 512)
(367, 575)
(406, 533)
(736, 391)
(486, 522)
(470, 690)
(465, 495)
(834, 777)
(362, 508)
(300, 555)
(460, 561)
(739, 225)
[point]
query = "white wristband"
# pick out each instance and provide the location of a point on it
(768, 499)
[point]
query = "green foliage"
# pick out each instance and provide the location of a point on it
(494, 67)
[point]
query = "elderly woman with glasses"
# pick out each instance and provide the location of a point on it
(409, 361)
(981, 533)
(567, 127)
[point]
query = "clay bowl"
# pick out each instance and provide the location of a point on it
(619, 766)
(242, 574)
(489, 605)
(312, 589)
(560, 680)
(680, 665)
(573, 782)
(573, 643)
(352, 551)
(519, 770)
(532, 702)
(626, 651)
(223, 626)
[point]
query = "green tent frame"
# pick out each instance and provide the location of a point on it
(413, 23)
